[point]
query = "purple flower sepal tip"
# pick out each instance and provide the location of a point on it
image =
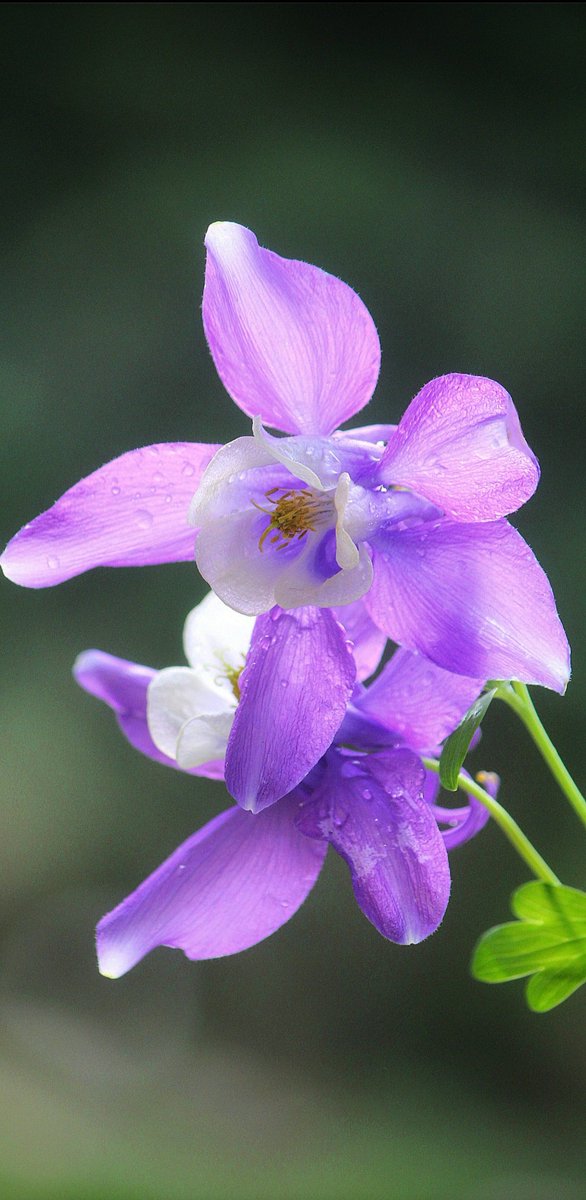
(246, 872)
(411, 517)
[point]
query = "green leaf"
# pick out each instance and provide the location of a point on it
(455, 747)
(548, 943)
(542, 903)
(547, 989)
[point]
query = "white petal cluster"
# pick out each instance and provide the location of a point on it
(190, 709)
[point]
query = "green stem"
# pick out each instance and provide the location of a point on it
(509, 826)
(516, 695)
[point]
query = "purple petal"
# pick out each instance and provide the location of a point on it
(473, 599)
(373, 811)
(130, 513)
(319, 461)
(292, 344)
(466, 822)
(460, 445)
(298, 678)
(418, 700)
(229, 886)
(123, 686)
(368, 641)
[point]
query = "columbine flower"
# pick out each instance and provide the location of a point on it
(411, 518)
(244, 874)
(271, 724)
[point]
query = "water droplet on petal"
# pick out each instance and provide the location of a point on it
(367, 794)
(188, 469)
(52, 562)
(144, 518)
(115, 491)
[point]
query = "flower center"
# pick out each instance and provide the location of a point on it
(294, 512)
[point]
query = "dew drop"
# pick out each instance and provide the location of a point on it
(115, 491)
(144, 518)
(52, 562)
(367, 794)
(188, 469)
(158, 477)
(284, 683)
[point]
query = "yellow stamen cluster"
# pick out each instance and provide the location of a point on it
(232, 674)
(294, 513)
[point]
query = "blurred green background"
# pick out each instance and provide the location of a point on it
(431, 155)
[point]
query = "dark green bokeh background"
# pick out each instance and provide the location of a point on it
(432, 156)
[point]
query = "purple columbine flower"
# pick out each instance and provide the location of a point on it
(244, 874)
(410, 517)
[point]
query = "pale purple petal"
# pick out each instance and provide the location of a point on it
(368, 641)
(123, 686)
(367, 433)
(373, 812)
(460, 445)
(130, 513)
(418, 700)
(298, 678)
(473, 599)
(229, 886)
(292, 344)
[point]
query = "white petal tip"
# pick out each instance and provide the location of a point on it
(112, 965)
(224, 234)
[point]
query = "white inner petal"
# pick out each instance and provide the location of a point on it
(347, 556)
(283, 450)
(178, 694)
(216, 637)
(203, 739)
(243, 454)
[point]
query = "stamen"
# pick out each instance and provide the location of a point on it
(294, 513)
(232, 674)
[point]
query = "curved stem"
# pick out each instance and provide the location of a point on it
(509, 826)
(516, 695)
